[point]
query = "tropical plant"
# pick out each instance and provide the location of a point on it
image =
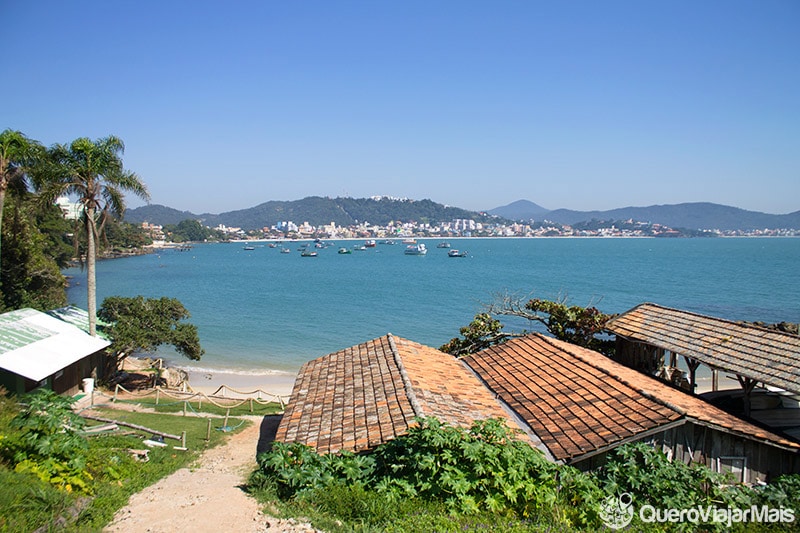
(17, 154)
(49, 444)
(468, 471)
(92, 171)
(647, 474)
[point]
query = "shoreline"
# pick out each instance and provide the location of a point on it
(233, 384)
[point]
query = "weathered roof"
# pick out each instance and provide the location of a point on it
(77, 317)
(767, 356)
(360, 397)
(579, 402)
(36, 345)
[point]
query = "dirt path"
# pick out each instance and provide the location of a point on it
(209, 496)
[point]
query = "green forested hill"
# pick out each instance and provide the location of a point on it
(315, 210)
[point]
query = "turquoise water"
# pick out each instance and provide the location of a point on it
(260, 310)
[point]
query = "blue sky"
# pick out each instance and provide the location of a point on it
(576, 104)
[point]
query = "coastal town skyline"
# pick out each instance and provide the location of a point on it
(580, 106)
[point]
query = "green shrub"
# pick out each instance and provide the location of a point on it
(484, 469)
(48, 443)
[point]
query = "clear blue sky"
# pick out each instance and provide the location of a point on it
(575, 104)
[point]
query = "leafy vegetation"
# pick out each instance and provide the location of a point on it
(30, 275)
(456, 471)
(49, 493)
(144, 324)
(48, 443)
(442, 478)
(571, 323)
(190, 231)
(484, 331)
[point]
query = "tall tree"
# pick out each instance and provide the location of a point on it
(143, 324)
(17, 154)
(30, 273)
(93, 172)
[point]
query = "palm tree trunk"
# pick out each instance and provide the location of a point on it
(91, 279)
(2, 206)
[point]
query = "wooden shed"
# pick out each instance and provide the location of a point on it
(651, 338)
(579, 404)
(40, 350)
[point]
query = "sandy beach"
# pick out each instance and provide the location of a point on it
(268, 386)
(235, 385)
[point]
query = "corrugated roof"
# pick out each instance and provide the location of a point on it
(360, 397)
(767, 356)
(36, 345)
(79, 318)
(578, 401)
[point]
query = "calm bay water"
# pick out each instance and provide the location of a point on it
(260, 310)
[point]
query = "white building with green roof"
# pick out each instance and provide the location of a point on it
(49, 350)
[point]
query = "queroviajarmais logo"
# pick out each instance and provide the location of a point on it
(616, 512)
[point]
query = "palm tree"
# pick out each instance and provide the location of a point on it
(17, 154)
(93, 172)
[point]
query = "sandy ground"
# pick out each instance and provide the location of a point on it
(209, 496)
(267, 386)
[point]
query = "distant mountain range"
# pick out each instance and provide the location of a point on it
(318, 210)
(696, 216)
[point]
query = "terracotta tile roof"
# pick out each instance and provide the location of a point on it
(764, 355)
(360, 397)
(578, 401)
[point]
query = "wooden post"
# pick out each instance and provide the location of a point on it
(115, 392)
(227, 414)
(251, 405)
(748, 385)
(208, 430)
(185, 402)
(692, 364)
(158, 395)
(183, 439)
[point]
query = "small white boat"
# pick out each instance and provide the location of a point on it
(416, 249)
(456, 253)
(345, 251)
(443, 244)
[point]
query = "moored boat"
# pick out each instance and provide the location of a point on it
(345, 251)
(456, 253)
(443, 244)
(416, 249)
